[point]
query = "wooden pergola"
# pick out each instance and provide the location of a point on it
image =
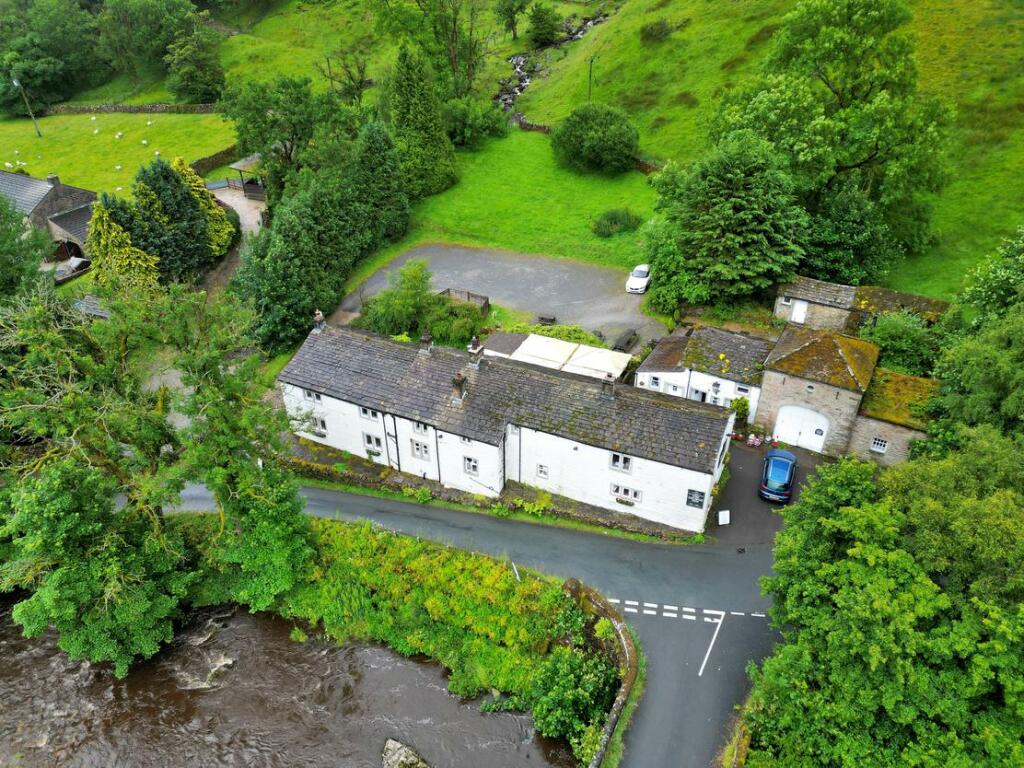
(250, 179)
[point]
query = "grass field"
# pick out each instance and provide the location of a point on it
(512, 194)
(969, 51)
(86, 153)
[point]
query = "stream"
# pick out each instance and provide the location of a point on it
(234, 690)
(525, 68)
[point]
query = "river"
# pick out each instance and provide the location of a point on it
(234, 690)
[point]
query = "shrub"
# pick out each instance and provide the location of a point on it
(907, 344)
(571, 333)
(573, 691)
(545, 25)
(596, 137)
(420, 495)
(742, 407)
(469, 121)
(655, 32)
(614, 221)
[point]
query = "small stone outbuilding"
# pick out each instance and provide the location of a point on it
(62, 210)
(890, 417)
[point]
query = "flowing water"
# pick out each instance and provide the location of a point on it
(234, 690)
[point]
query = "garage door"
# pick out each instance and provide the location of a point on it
(802, 427)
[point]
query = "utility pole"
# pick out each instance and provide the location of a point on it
(19, 86)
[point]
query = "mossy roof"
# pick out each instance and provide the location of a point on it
(824, 356)
(893, 396)
(819, 292)
(730, 355)
(876, 300)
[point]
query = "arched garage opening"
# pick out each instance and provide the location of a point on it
(802, 427)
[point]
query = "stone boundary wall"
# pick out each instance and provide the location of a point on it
(162, 108)
(625, 652)
(206, 164)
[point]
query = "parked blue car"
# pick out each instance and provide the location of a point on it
(778, 476)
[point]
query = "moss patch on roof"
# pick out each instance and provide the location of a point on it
(897, 398)
(826, 357)
(876, 300)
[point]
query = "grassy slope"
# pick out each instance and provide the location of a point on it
(511, 194)
(70, 147)
(970, 52)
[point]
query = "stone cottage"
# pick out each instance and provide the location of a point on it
(62, 210)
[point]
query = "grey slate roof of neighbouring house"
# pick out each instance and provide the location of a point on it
(75, 222)
(24, 192)
(726, 354)
(820, 292)
(377, 373)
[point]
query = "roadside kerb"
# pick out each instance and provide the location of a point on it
(625, 651)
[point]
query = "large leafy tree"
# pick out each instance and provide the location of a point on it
(194, 73)
(136, 33)
(902, 617)
(732, 224)
(998, 283)
(839, 100)
(84, 419)
(21, 250)
(426, 153)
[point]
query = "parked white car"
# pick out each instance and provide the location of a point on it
(639, 279)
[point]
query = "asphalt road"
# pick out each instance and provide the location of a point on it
(577, 294)
(697, 653)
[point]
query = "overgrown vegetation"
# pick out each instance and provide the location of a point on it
(596, 137)
(614, 221)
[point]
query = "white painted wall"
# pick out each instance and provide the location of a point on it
(584, 473)
(690, 384)
(446, 452)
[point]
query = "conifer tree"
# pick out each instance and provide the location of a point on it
(220, 229)
(425, 151)
(378, 177)
(117, 264)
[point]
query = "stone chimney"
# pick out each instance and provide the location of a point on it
(53, 179)
(458, 387)
(426, 344)
(476, 352)
(608, 386)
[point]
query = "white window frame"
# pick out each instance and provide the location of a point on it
(655, 381)
(368, 413)
(703, 498)
(372, 442)
(419, 428)
(543, 471)
(620, 462)
(309, 394)
(320, 426)
(787, 300)
(879, 445)
(623, 492)
(470, 466)
(743, 390)
(420, 450)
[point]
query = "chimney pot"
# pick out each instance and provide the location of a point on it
(608, 386)
(54, 180)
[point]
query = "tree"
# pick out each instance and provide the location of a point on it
(134, 33)
(839, 100)
(117, 264)
(508, 13)
(278, 120)
(545, 25)
(194, 73)
(737, 227)
(998, 283)
(349, 80)
(982, 374)
(404, 304)
(848, 242)
(596, 137)
(22, 249)
(427, 156)
(44, 77)
(220, 229)
(906, 342)
(377, 175)
(108, 582)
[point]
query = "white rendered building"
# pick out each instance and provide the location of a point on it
(472, 422)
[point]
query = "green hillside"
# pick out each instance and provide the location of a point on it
(969, 51)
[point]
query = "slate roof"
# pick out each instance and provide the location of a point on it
(90, 305)
(24, 192)
(504, 343)
(893, 396)
(377, 373)
(75, 222)
(727, 354)
(820, 292)
(824, 356)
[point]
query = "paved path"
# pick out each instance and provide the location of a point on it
(577, 294)
(698, 610)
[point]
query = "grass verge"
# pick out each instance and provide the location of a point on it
(616, 746)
